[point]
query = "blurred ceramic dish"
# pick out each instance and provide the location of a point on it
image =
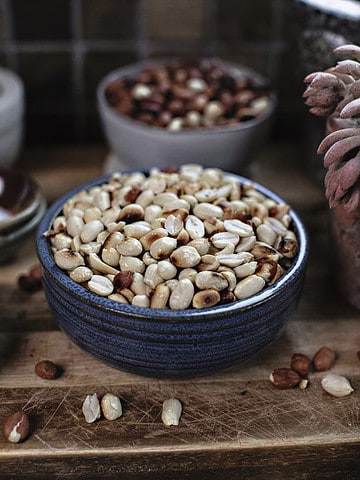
(19, 199)
(163, 342)
(142, 146)
(12, 242)
(11, 116)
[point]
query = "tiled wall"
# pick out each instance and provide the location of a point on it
(62, 48)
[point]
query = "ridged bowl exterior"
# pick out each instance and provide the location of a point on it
(164, 342)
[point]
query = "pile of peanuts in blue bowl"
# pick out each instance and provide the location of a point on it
(187, 238)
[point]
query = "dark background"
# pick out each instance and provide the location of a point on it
(62, 48)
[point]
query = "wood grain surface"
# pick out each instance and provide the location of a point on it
(235, 424)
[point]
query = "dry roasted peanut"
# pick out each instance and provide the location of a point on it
(163, 247)
(92, 213)
(68, 260)
(222, 239)
(95, 262)
(160, 296)
(230, 277)
(145, 198)
(185, 257)
(233, 260)
(213, 225)
(323, 359)
(276, 225)
(111, 240)
(61, 240)
(182, 294)
(208, 262)
(211, 280)
(91, 247)
(262, 250)
(182, 238)
(149, 238)
(111, 406)
(166, 269)
(266, 234)
(114, 227)
(336, 385)
(195, 227)
(202, 245)
(249, 286)
(266, 269)
(238, 227)
(189, 273)
(110, 215)
(205, 210)
(164, 198)
(91, 230)
(100, 285)
(131, 263)
(137, 229)
(171, 411)
(158, 222)
(229, 249)
(300, 363)
(130, 247)
(138, 285)
(76, 244)
(151, 212)
(117, 297)
(246, 244)
(74, 225)
(131, 213)
(123, 280)
(242, 271)
(288, 247)
(47, 370)
(227, 296)
(91, 408)
(174, 224)
(279, 273)
(16, 427)
(206, 298)
(110, 256)
(152, 276)
(284, 378)
(102, 200)
(148, 259)
(140, 300)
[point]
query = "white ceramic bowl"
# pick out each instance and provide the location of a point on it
(138, 145)
(11, 116)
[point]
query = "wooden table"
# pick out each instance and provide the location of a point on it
(235, 424)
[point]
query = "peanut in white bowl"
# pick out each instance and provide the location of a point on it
(141, 146)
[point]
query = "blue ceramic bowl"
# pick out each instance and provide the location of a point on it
(170, 343)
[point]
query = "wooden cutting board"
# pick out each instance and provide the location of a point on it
(234, 425)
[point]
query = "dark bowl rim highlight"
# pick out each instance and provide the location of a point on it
(203, 131)
(59, 277)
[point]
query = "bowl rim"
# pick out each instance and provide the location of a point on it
(27, 227)
(64, 282)
(236, 69)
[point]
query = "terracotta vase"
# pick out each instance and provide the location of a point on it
(345, 231)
